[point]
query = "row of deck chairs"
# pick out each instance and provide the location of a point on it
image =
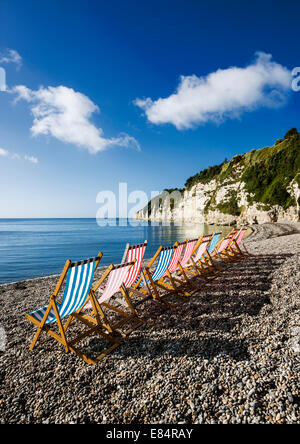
(170, 277)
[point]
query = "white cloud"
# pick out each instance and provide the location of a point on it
(3, 152)
(15, 156)
(226, 93)
(65, 114)
(11, 56)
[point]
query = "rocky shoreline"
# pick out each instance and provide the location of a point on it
(231, 354)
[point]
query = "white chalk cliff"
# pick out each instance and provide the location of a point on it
(226, 199)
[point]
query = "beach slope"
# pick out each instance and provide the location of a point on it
(229, 355)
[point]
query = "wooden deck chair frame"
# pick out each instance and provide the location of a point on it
(134, 286)
(62, 338)
(132, 317)
(235, 246)
(147, 289)
(208, 266)
(228, 254)
(172, 283)
(144, 292)
(183, 271)
(225, 255)
(204, 267)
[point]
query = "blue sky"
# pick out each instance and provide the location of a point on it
(105, 59)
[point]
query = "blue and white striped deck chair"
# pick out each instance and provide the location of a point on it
(142, 287)
(213, 243)
(208, 264)
(152, 279)
(79, 278)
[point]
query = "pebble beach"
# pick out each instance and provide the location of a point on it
(230, 354)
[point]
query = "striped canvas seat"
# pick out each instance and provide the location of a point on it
(77, 293)
(223, 244)
(117, 277)
(173, 266)
(134, 253)
(203, 247)
(224, 247)
(188, 251)
(213, 243)
(112, 282)
(163, 263)
(237, 247)
(240, 236)
(79, 280)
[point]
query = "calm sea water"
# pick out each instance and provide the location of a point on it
(32, 248)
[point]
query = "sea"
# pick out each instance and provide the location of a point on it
(31, 248)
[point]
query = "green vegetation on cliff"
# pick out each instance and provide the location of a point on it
(266, 172)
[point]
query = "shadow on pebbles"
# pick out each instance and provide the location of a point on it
(228, 355)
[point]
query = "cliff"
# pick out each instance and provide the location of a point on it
(260, 186)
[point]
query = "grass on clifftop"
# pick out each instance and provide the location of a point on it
(267, 173)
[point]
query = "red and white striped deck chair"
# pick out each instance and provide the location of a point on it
(134, 253)
(174, 264)
(222, 250)
(111, 283)
(183, 263)
(237, 243)
(199, 264)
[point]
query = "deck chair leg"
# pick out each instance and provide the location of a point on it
(210, 262)
(68, 323)
(156, 295)
(126, 297)
(40, 328)
(177, 290)
(246, 250)
(194, 266)
(187, 281)
(60, 327)
(184, 274)
(105, 322)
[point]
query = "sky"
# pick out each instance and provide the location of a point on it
(143, 93)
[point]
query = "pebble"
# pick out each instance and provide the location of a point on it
(228, 355)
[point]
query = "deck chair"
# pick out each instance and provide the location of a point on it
(141, 287)
(147, 286)
(222, 250)
(79, 277)
(212, 246)
(113, 282)
(134, 253)
(237, 245)
(183, 266)
(209, 253)
(199, 264)
(168, 279)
